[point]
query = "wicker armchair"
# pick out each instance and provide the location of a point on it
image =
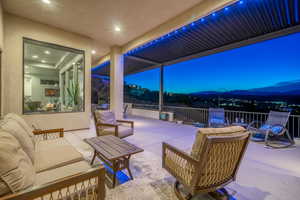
(272, 131)
(216, 118)
(106, 124)
(213, 163)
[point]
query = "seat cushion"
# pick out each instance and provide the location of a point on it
(13, 127)
(71, 192)
(61, 172)
(16, 169)
(51, 144)
(105, 117)
(123, 131)
(202, 132)
(23, 123)
(55, 155)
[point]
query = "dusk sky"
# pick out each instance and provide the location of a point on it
(259, 65)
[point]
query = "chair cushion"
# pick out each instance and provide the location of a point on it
(216, 121)
(61, 172)
(14, 128)
(276, 129)
(265, 127)
(54, 156)
(22, 122)
(106, 117)
(16, 169)
(123, 131)
(202, 132)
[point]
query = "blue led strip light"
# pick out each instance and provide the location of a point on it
(184, 28)
(297, 11)
(105, 64)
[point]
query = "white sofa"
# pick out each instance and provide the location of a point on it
(42, 164)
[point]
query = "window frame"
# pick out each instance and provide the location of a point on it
(24, 39)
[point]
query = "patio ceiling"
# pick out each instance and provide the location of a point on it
(243, 23)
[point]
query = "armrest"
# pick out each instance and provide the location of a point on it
(127, 121)
(178, 163)
(89, 183)
(251, 125)
(99, 124)
(45, 133)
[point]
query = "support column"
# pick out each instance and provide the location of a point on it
(116, 81)
(161, 88)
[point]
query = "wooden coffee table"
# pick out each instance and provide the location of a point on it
(114, 152)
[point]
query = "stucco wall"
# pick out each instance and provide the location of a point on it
(15, 28)
(1, 26)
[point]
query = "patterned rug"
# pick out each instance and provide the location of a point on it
(151, 181)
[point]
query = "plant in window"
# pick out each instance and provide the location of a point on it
(73, 92)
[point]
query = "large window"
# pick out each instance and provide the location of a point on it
(53, 78)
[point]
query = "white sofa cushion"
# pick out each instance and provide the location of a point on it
(14, 128)
(23, 123)
(51, 155)
(16, 169)
(70, 192)
(61, 172)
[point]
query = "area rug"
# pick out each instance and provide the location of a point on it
(151, 181)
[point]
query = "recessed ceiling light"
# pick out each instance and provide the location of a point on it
(35, 56)
(117, 29)
(46, 1)
(93, 52)
(47, 52)
(43, 61)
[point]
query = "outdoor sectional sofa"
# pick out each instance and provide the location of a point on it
(42, 164)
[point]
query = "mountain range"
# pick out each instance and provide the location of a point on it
(282, 88)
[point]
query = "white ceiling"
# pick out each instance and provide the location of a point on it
(97, 18)
(47, 56)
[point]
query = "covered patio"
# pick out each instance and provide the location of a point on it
(265, 174)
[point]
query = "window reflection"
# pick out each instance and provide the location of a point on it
(53, 78)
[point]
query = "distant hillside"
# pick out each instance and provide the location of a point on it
(283, 88)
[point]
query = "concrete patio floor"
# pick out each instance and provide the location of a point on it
(265, 174)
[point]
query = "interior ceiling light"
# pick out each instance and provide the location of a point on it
(47, 52)
(43, 61)
(93, 52)
(117, 29)
(46, 1)
(35, 56)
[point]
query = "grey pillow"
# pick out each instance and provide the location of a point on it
(16, 170)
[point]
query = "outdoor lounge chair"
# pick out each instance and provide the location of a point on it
(212, 164)
(216, 118)
(106, 124)
(272, 131)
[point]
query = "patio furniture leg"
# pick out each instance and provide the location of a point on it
(130, 174)
(290, 140)
(178, 193)
(115, 170)
(95, 153)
